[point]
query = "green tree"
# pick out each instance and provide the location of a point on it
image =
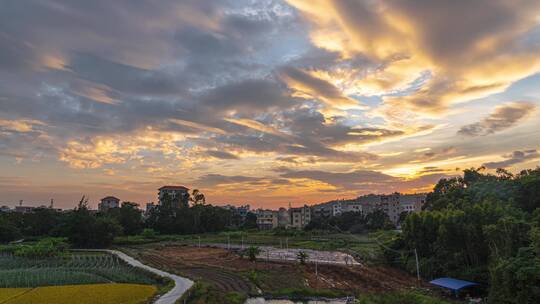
(253, 252)
(8, 232)
(129, 216)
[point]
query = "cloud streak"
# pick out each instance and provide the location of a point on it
(504, 117)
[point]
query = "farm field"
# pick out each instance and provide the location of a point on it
(225, 273)
(73, 268)
(84, 294)
(364, 247)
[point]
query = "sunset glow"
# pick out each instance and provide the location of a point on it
(264, 102)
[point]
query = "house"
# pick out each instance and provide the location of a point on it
(284, 218)
(108, 202)
(5, 209)
(178, 194)
(24, 209)
(300, 216)
(266, 219)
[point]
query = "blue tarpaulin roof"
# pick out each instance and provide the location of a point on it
(453, 284)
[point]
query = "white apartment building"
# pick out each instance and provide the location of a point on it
(108, 202)
(174, 192)
(300, 216)
(266, 219)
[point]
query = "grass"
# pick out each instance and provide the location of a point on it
(71, 269)
(83, 294)
(205, 293)
(304, 293)
(410, 297)
(365, 245)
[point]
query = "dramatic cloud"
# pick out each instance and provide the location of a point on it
(480, 53)
(355, 180)
(515, 157)
(106, 96)
(502, 118)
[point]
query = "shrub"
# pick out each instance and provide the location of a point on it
(43, 249)
(149, 233)
(253, 252)
(9, 233)
(302, 257)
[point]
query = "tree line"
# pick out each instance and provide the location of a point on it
(85, 228)
(481, 227)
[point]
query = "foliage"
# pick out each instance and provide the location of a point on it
(148, 233)
(516, 279)
(399, 297)
(172, 218)
(84, 294)
(305, 292)
(250, 222)
(45, 248)
(85, 230)
(204, 293)
(302, 257)
(354, 222)
(9, 232)
(481, 227)
(253, 252)
(129, 216)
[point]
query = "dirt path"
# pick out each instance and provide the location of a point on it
(181, 285)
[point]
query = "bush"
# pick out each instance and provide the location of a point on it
(9, 233)
(149, 233)
(43, 249)
(302, 257)
(253, 252)
(399, 297)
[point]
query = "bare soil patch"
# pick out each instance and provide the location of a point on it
(229, 272)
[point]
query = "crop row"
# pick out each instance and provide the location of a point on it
(74, 269)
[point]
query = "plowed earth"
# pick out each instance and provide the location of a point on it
(229, 272)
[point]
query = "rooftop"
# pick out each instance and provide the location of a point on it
(110, 198)
(173, 188)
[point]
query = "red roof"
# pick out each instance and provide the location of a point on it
(109, 198)
(173, 188)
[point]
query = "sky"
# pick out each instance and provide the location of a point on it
(265, 102)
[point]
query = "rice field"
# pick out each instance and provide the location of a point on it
(81, 294)
(76, 268)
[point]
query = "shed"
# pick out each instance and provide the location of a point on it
(454, 285)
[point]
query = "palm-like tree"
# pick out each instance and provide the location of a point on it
(197, 197)
(302, 257)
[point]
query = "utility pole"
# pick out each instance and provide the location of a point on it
(317, 271)
(417, 266)
(199, 241)
(242, 242)
(228, 242)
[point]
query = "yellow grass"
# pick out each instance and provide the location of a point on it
(8, 293)
(81, 294)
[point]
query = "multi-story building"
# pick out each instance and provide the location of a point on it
(178, 195)
(266, 219)
(396, 203)
(284, 218)
(352, 206)
(300, 216)
(392, 204)
(108, 202)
